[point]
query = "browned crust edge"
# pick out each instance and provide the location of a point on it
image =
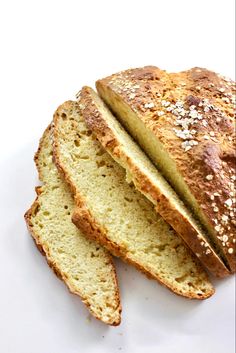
(46, 252)
(83, 219)
(163, 206)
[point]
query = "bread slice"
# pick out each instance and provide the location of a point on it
(184, 122)
(147, 179)
(112, 212)
(85, 267)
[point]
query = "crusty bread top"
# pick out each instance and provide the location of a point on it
(115, 214)
(191, 114)
(85, 267)
(147, 179)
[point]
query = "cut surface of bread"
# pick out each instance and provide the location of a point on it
(184, 122)
(85, 267)
(118, 216)
(147, 179)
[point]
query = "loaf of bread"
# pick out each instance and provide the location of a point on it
(184, 123)
(85, 267)
(147, 179)
(116, 215)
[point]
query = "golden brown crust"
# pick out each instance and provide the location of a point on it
(205, 157)
(164, 207)
(46, 252)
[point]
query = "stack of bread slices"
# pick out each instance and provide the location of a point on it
(145, 171)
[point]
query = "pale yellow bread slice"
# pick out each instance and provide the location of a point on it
(112, 212)
(147, 179)
(85, 267)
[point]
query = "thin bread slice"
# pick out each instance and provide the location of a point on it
(184, 122)
(85, 267)
(118, 216)
(147, 179)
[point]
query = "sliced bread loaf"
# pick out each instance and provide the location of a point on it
(184, 122)
(112, 212)
(147, 179)
(85, 267)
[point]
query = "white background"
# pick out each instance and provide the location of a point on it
(48, 50)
